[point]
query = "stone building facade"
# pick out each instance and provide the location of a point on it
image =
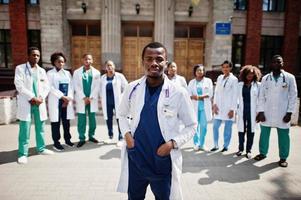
(118, 30)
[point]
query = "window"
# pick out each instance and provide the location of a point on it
(273, 5)
(138, 30)
(4, 1)
(34, 40)
(240, 4)
(81, 29)
(238, 50)
(270, 46)
(33, 2)
(5, 49)
(188, 31)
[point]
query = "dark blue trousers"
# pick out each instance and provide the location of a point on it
(110, 108)
(250, 135)
(55, 127)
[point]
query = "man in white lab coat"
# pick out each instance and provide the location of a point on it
(277, 102)
(224, 105)
(150, 111)
(32, 85)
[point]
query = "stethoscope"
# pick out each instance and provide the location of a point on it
(27, 70)
(135, 87)
(284, 83)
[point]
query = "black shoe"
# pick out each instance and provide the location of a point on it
(214, 149)
(80, 144)
(283, 163)
(69, 143)
(224, 150)
(93, 140)
(58, 147)
(259, 157)
(239, 153)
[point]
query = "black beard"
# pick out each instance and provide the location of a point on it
(154, 77)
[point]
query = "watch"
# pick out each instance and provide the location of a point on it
(174, 144)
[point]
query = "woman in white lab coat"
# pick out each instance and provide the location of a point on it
(112, 85)
(248, 94)
(32, 85)
(200, 90)
(60, 100)
(86, 83)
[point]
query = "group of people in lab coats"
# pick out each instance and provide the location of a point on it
(156, 114)
(60, 89)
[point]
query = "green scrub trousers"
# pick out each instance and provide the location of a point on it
(283, 141)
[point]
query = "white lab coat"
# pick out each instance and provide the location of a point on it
(180, 80)
(174, 105)
(277, 98)
(225, 96)
(254, 93)
(119, 83)
(79, 90)
(54, 78)
(24, 84)
(207, 88)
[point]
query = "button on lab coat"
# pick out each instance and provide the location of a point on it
(207, 88)
(24, 82)
(277, 98)
(174, 105)
(254, 94)
(225, 96)
(119, 83)
(55, 94)
(79, 90)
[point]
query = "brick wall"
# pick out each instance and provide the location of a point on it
(18, 28)
(253, 32)
(291, 34)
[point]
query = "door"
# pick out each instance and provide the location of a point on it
(86, 39)
(188, 49)
(135, 37)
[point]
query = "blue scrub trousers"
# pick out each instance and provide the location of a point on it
(199, 137)
(227, 132)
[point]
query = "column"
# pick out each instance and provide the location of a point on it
(164, 25)
(111, 32)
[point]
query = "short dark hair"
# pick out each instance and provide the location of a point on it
(196, 67)
(276, 56)
(170, 63)
(30, 49)
(87, 54)
(228, 62)
(249, 69)
(154, 45)
(55, 56)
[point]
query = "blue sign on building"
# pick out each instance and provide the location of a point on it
(222, 28)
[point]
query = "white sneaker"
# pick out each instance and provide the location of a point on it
(196, 148)
(119, 143)
(22, 160)
(108, 141)
(46, 152)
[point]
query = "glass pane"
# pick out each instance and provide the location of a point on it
(272, 6)
(5, 1)
(79, 29)
(130, 30)
(9, 56)
(33, 2)
(94, 29)
(196, 32)
(2, 56)
(7, 35)
(265, 5)
(181, 32)
(281, 5)
(2, 37)
(146, 31)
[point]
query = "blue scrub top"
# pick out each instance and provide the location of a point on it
(148, 138)
(246, 95)
(200, 92)
(109, 91)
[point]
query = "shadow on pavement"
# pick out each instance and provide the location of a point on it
(11, 156)
(114, 153)
(222, 167)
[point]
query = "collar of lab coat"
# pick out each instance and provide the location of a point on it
(28, 66)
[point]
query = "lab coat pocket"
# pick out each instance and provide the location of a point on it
(170, 115)
(163, 164)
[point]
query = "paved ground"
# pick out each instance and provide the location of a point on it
(92, 171)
